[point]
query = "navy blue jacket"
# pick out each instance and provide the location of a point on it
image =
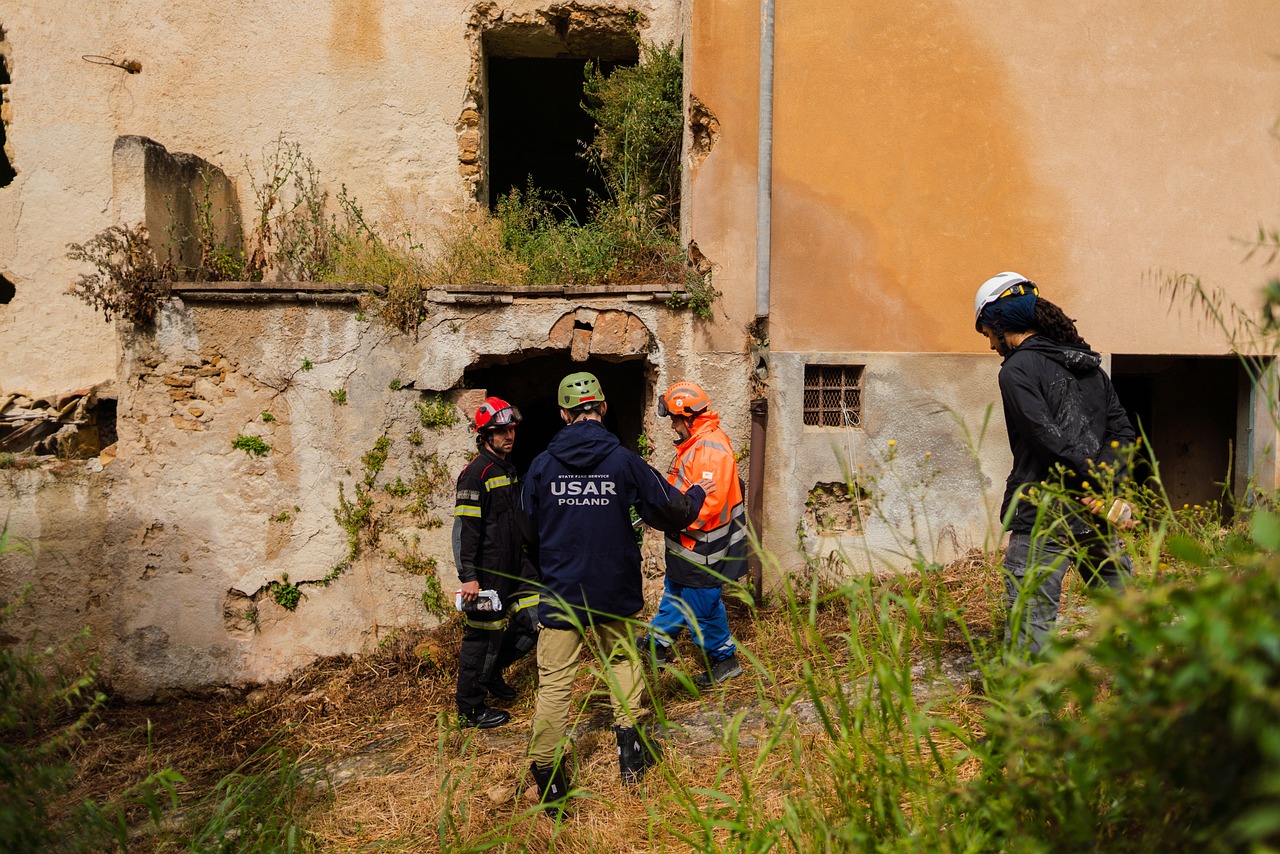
(578, 494)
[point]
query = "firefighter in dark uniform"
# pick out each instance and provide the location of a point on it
(489, 553)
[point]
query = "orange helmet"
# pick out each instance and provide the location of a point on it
(493, 413)
(683, 398)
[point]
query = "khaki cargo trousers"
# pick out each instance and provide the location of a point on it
(558, 653)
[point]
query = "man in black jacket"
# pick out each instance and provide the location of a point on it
(489, 553)
(1060, 409)
(578, 494)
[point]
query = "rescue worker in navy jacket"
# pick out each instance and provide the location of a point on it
(578, 495)
(711, 551)
(489, 553)
(1059, 409)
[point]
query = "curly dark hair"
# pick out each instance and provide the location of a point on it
(1052, 322)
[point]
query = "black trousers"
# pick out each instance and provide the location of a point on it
(490, 644)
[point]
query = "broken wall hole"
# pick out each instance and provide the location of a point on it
(7, 170)
(836, 508)
(77, 425)
(7, 290)
(704, 131)
(530, 383)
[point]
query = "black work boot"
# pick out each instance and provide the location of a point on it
(654, 653)
(483, 717)
(637, 752)
(498, 687)
(553, 788)
(720, 671)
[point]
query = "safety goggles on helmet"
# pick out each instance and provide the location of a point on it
(683, 398)
(494, 413)
(1000, 287)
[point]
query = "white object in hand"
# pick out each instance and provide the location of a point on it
(486, 600)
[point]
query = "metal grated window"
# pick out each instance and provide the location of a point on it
(833, 395)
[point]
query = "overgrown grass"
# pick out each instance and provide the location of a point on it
(49, 701)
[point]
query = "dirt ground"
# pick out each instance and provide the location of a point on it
(387, 767)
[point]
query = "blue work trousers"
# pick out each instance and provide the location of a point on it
(701, 611)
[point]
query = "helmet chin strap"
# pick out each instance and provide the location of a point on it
(1002, 346)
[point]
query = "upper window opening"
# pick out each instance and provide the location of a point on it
(538, 132)
(833, 395)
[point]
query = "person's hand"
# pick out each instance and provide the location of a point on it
(1124, 513)
(470, 591)
(1095, 504)
(708, 485)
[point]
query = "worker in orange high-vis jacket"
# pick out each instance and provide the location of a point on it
(712, 550)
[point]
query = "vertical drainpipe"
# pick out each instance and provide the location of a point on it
(760, 352)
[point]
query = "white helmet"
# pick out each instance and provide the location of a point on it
(1005, 284)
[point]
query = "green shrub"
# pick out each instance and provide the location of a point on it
(1159, 731)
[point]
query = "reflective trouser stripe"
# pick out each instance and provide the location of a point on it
(492, 625)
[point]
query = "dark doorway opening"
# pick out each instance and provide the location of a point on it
(1190, 409)
(538, 131)
(531, 385)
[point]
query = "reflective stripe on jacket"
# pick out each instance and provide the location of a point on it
(488, 532)
(717, 539)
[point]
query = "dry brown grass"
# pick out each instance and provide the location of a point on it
(379, 731)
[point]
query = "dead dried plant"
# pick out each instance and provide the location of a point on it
(129, 280)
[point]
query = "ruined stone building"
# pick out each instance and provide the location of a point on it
(263, 474)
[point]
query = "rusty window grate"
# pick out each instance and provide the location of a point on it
(833, 395)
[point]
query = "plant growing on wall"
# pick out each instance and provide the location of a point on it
(251, 445)
(217, 258)
(437, 413)
(128, 280)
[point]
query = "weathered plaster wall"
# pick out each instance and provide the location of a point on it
(934, 478)
(166, 552)
(371, 90)
(921, 148)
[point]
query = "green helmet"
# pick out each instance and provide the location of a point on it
(577, 389)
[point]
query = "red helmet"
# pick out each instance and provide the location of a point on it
(683, 398)
(493, 413)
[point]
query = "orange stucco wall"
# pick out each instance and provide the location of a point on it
(920, 148)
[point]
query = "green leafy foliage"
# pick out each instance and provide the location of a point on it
(1157, 732)
(437, 413)
(287, 595)
(251, 445)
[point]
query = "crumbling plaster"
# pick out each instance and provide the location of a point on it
(913, 409)
(164, 551)
(370, 89)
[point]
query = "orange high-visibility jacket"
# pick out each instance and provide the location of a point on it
(714, 547)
